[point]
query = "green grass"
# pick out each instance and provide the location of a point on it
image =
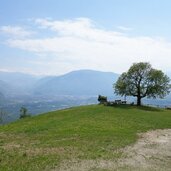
(88, 132)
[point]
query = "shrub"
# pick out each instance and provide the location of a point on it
(23, 113)
(102, 99)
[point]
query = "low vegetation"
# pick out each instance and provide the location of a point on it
(102, 99)
(2, 116)
(92, 132)
(23, 113)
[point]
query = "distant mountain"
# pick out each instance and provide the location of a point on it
(77, 83)
(15, 83)
(18, 79)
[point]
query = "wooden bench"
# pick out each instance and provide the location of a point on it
(118, 101)
(123, 102)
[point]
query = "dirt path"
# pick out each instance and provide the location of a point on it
(151, 152)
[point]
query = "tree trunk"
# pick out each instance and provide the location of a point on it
(138, 100)
(138, 95)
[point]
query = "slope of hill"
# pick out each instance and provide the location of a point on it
(76, 83)
(86, 134)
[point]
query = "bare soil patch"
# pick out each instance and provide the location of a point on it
(152, 152)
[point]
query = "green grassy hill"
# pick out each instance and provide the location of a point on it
(89, 132)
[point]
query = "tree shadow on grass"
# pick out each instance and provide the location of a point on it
(128, 106)
(149, 108)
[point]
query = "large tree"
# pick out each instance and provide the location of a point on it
(141, 80)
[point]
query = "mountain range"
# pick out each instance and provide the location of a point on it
(41, 94)
(15, 83)
(76, 83)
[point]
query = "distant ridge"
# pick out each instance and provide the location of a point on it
(18, 79)
(77, 83)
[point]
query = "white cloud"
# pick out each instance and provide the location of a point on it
(81, 28)
(15, 31)
(79, 44)
(123, 28)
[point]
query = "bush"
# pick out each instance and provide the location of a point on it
(132, 103)
(23, 113)
(102, 99)
(3, 114)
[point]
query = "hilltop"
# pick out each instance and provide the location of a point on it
(66, 137)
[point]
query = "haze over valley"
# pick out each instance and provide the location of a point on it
(40, 94)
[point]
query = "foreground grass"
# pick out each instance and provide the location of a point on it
(90, 132)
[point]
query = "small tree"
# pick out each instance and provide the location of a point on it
(102, 99)
(141, 81)
(23, 113)
(2, 116)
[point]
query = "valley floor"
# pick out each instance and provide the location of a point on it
(151, 152)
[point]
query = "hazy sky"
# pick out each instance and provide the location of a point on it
(58, 36)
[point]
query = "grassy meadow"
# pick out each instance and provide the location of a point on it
(88, 132)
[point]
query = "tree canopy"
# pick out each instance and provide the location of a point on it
(141, 80)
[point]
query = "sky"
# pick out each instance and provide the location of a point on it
(53, 37)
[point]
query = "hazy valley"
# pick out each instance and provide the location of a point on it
(41, 94)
